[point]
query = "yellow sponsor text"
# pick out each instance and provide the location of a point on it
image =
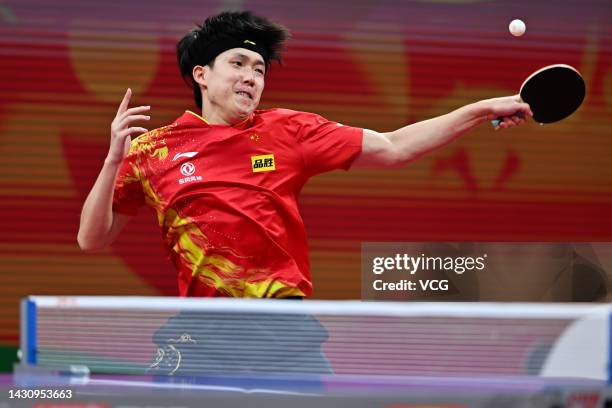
(263, 163)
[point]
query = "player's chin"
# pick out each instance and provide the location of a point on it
(244, 108)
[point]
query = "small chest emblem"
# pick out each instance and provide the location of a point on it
(187, 169)
(264, 162)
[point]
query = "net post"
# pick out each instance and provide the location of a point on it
(609, 359)
(27, 335)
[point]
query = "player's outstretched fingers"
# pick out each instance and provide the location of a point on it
(125, 102)
(133, 111)
(122, 127)
(127, 132)
(128, 120)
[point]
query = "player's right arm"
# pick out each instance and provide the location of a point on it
(100, 225)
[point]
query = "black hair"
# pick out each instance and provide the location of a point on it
(228, 30)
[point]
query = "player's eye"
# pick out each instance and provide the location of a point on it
(237, 63)
(259, 71)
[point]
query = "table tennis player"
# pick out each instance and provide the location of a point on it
(224, 181)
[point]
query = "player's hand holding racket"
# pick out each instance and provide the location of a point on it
(509, 111)
(122, 128)
(553, 93)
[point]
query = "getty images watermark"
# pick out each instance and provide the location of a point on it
(415, 270)
(410, 265)
(490, 271)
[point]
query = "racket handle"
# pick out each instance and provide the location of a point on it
(496, 122)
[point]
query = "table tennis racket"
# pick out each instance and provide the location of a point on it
(553, 93)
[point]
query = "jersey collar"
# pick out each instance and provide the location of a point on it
(200, 120)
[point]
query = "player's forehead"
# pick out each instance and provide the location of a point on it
(243, 54)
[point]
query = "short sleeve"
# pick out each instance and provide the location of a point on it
(327, 145)
(128, 195)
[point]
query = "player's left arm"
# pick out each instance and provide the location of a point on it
(404, 145)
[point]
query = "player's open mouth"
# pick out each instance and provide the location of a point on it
(245, 94)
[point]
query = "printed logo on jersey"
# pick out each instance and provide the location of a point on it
(187, 170)
(186, 154)
(263, 163)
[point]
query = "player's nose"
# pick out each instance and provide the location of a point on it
(248, 76)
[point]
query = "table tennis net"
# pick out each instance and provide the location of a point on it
(167, 336)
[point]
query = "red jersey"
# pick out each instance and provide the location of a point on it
(226, 197)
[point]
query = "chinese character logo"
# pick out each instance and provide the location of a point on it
(263, 163)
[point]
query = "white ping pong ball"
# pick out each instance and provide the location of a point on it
(517, 27)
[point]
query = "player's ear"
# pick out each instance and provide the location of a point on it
(200, 74)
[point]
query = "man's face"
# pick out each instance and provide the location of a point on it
(233, 86)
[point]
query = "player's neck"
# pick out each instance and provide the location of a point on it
(213, 117)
